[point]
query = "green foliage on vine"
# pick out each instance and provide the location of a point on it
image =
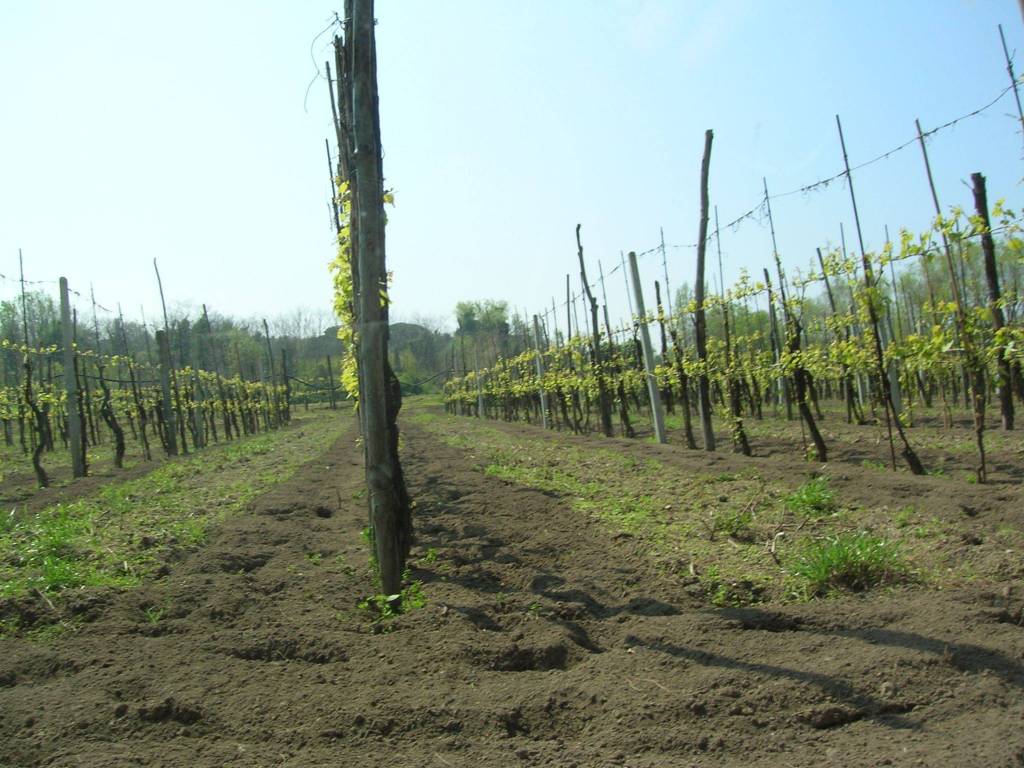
(934, 348)
(344, 293)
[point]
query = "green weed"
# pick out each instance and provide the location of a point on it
(902, 517)
(847, 561)
(153, 614)
(385, 607)
(734, 523)
(812, 499)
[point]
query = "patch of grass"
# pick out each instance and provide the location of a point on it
(727, 533)
(667, 511)
(903, 516)
(119, 533)
(848, 561)
(931, 529)
(723, 592)
(812, 499)
(734, 523)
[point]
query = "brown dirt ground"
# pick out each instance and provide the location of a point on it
(544, 642)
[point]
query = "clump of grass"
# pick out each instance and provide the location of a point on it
(903, 516)
(848, 561)
(734, 523)
(722, 592)
(812, 499)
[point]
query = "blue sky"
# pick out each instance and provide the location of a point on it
(184, 132)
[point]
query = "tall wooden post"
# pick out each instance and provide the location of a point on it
(540, 371)
(604, 402)
(700, 318)
(645, 338)
(71, 383)
(388, 498)
(170, 418)
(852, 413)
(783, 383)
(988, 249)
(276, 420)
(913, 462)
(1010, 72)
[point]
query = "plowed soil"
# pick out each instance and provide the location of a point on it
(545, 641)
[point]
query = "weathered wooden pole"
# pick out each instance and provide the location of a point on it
(700, 318)
(170, 418)
(852, 412)
(604, 401)
(273, 376)
(988, 249)
(973, 371)
(540, 371)
(740, 444)
(913, 462)
(783, 382)
(645, 339)
(388, 498)
(1010, 72)
(334, 197)
(71, 383)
